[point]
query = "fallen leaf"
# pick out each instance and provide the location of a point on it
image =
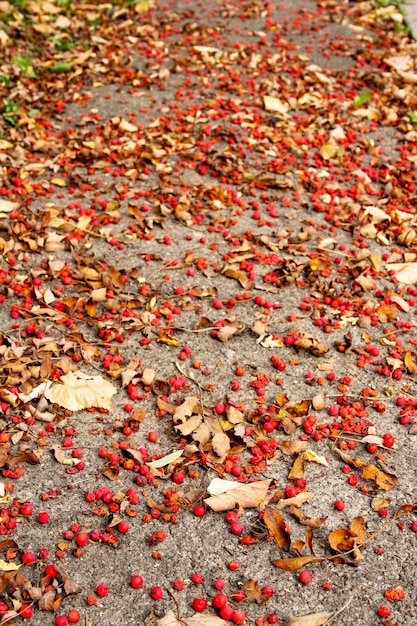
(404, 272)
(227, 494)
(253, 592)
(410, 362)
(312, 522)
(166, 460)
(275, 105)
(313, 619)
(380, 503)
(278, 528)
(293, 446)
(8, 567)
(291, 565)
(298, 500)
(77, 391)
(309, 455)
(170, 619)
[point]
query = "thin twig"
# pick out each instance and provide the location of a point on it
(342, 608)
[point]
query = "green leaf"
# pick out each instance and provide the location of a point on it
(25, 65)
(61, 67)
(413, 116)
(360, 99)
(166, 460)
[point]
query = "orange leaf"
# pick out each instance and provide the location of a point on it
(341, 539)
(409, 362)
(297, 470)
(278, 528)
(290, 565)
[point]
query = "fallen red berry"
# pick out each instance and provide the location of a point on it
(156, 592)
(102, 590)
(136, 581)
(199, 604)
(305, 577)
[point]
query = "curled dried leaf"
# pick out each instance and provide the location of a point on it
(291, 565)
(278, 528)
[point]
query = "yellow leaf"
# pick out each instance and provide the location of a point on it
(8, 567)
(329, 150)
(59, 182)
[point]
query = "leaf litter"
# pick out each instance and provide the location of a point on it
(292, 188)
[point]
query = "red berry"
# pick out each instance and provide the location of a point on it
(305, 577)
(61, 620)
(239, 595)
(28, 558)
(26, 509)
(73, 616)
(199, 510)
(199, 604)
(339, 505)
(178, 584)
(238, 617)
(102, 590)
(82, 539)
(178, 478)
(219, 600)
(268, 591)
(156, 592)
(233, 566)
(236, 528)
(123, 527)
(383, 611)
(388, 440)
(43, 517)
(136, 581)
(50, 570)
(218, 584)
(226, 612)
(153, 436)
(25, 611)
(197, 579)
(231, 516)
(414, 526)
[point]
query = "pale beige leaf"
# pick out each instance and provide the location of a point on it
(377, 214)
(313, 619)
(380, 503)
(185, 409)
(404, 272)
(234, 494)
(293, 446)
(148, 376)
(186, 428)
(6, 206)
(221, 445)
(275, 105)
(319, 402)
(309, 455)
(77, 391)
(127, 126)
(329, 150)
(201, 619)
(298, 500)
(234, 416)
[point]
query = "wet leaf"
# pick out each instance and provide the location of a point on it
(227, 494)
(277, 528)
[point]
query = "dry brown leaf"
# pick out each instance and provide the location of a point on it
(227, 494)
(312, 522)
(383, 480)
(186, 409)
(291, 565)
(410, 361)
(77, 391)
(298, 500)
(319, 402)
(297, 470)
(380, 503)
(313, 619)
(221, 445)
(278, 528)
(200, 619)
(253, 592)
(293, 446)
(342, 539)
(190, 425)
(405, 272)
(357, 525)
